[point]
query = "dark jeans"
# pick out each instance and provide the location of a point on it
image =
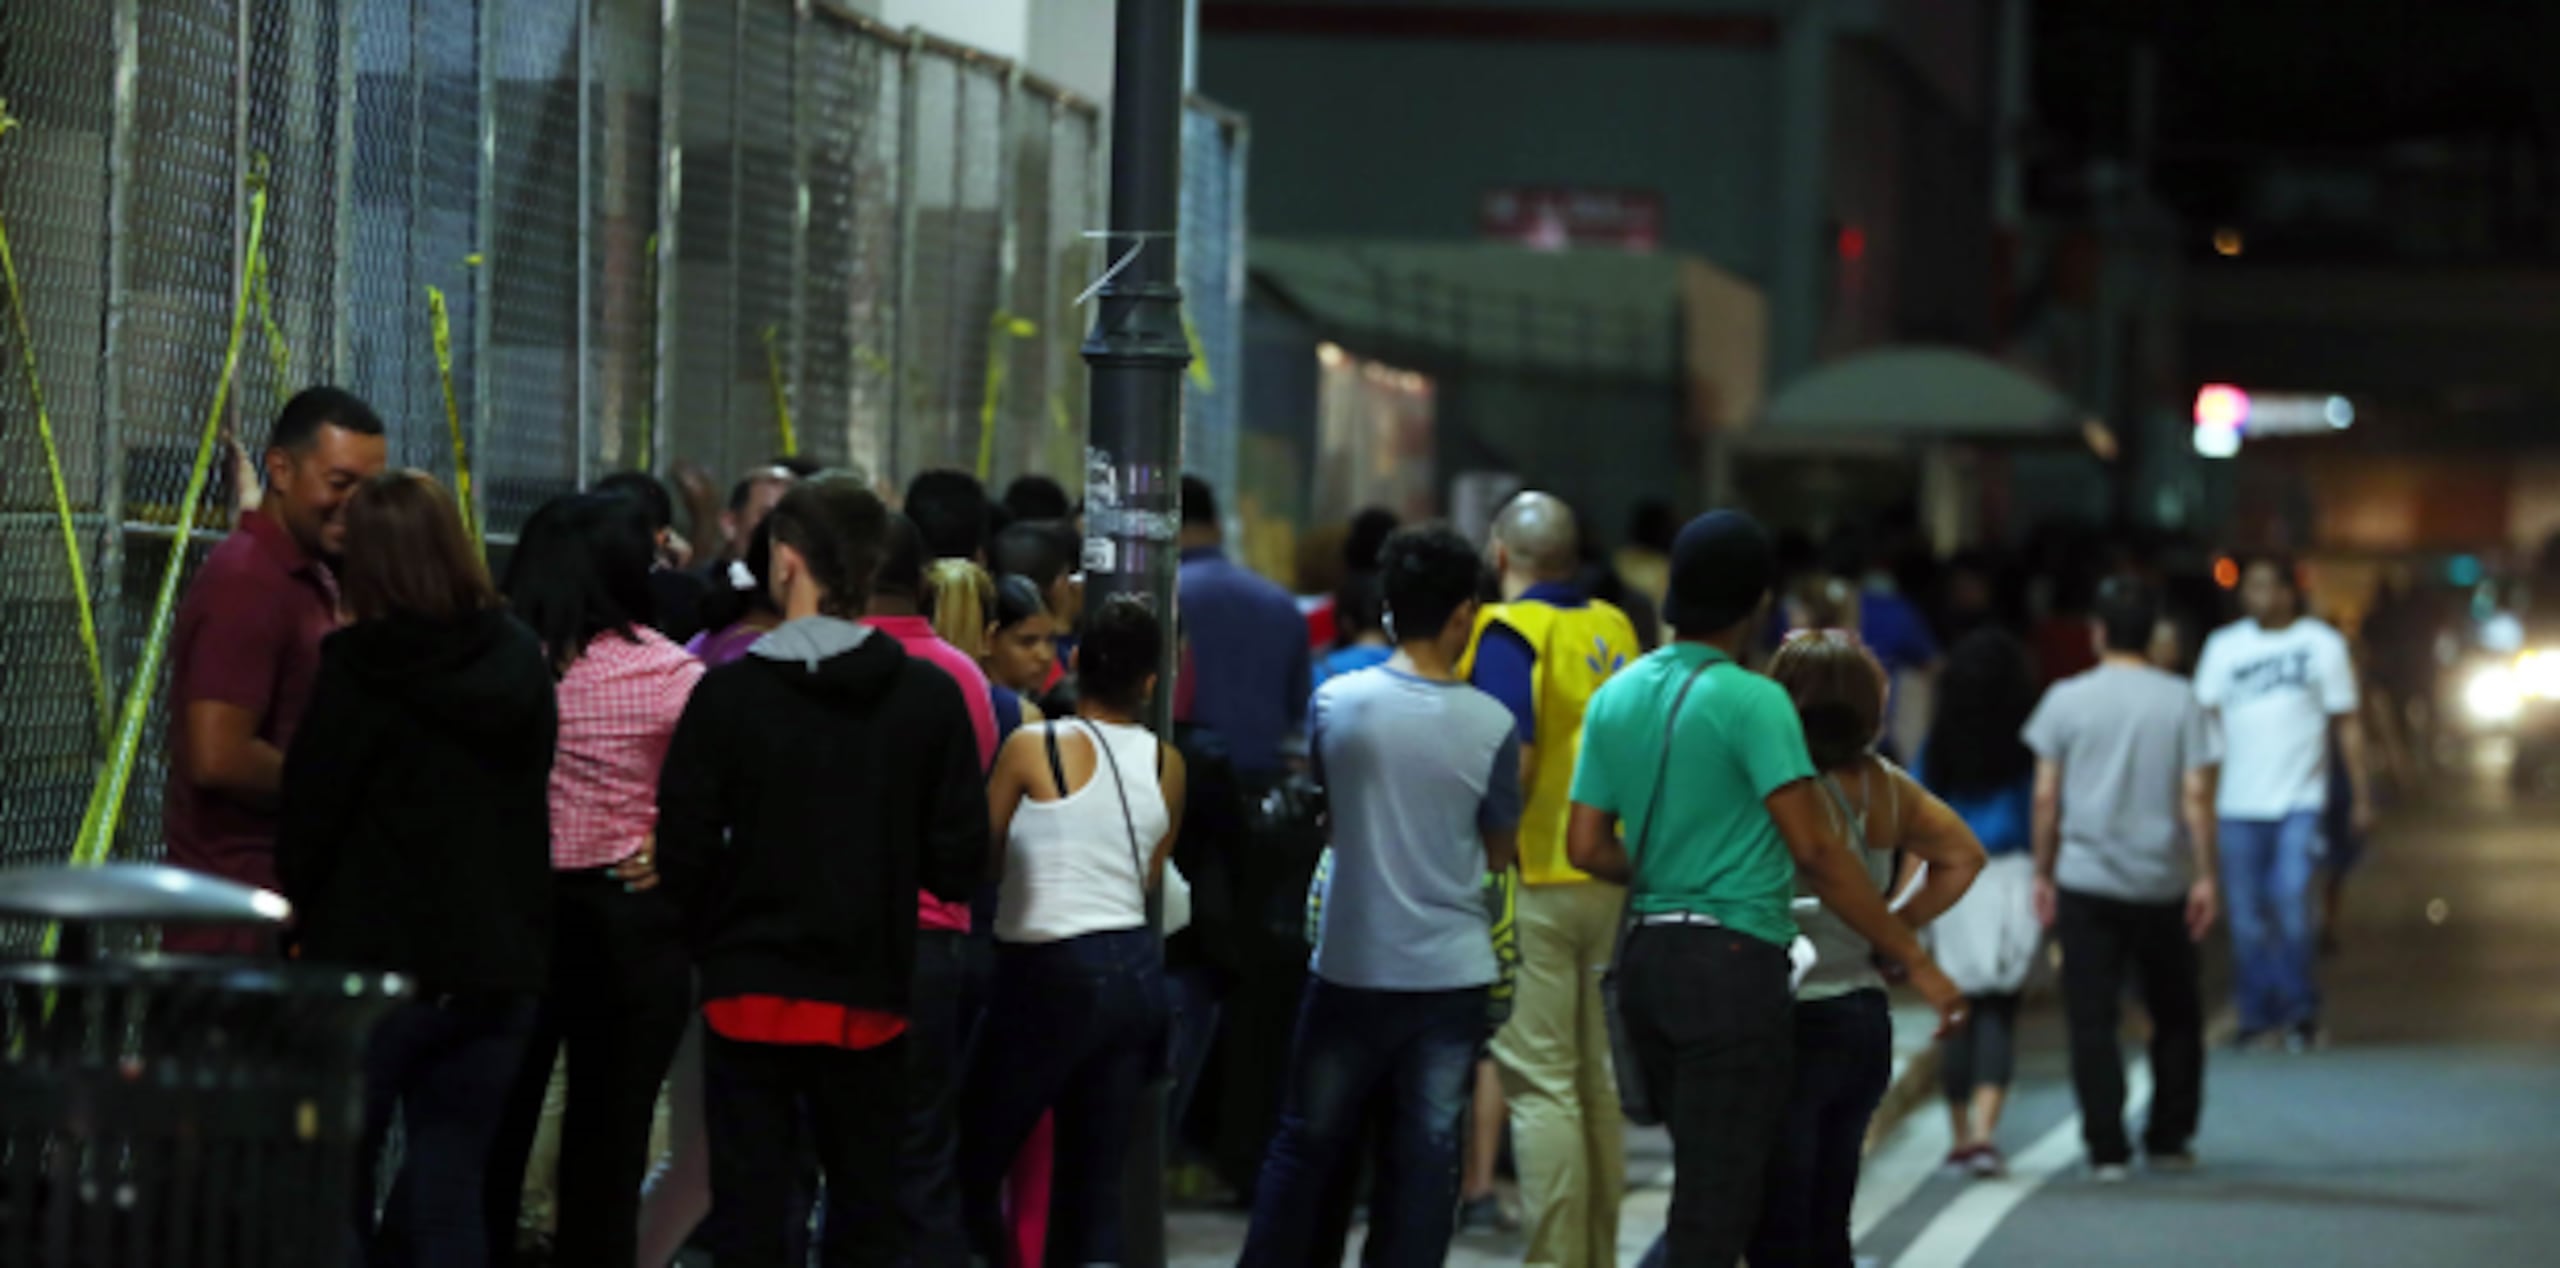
(1712, 1024)
(1844, 1060)
(1419, 1048)
(444, 1066)
(763, 1101)
(2101, 939)
(1983, 1052)
(938, 1023)
(1074, 1027)
(621, 993)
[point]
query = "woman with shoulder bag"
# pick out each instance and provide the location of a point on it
(1088, 809)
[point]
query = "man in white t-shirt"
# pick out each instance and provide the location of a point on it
(2280, 683)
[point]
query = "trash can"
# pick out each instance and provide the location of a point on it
(165, 1111)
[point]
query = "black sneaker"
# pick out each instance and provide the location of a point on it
(2172, 1162)
(2305, 1037)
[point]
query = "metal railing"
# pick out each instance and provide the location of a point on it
(705, 231)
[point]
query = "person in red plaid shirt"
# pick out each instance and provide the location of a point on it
(621, 988)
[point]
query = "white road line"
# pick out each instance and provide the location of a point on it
(1951, 1240)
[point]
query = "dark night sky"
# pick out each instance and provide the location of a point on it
(2244, 81)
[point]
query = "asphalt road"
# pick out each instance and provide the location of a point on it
(2427, 1134)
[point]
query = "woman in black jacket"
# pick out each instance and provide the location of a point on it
(416, 839)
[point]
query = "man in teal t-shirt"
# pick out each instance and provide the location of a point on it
(1716, 829)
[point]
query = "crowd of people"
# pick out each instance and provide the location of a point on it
(794, 890)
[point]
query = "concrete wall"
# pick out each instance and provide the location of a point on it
(1394, 138)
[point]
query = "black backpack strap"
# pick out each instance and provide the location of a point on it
(1057, 768)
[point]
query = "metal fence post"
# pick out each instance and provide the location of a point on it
(670, 202)
(589, 425)
(1008, 244)
(127, 33)
(903, 331)
(795, 371)
(342, 204)
(483, 247)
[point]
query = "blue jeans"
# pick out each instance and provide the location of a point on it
(2266, 882)
(1420, 1048)
(1076, 1027)
(445, 1067)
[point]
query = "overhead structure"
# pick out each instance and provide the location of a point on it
(1911, 395)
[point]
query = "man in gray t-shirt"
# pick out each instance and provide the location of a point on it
(1422, 774)
(2124, 841)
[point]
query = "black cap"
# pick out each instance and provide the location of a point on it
(1722, 565)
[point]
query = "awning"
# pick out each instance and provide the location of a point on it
(1918, 394)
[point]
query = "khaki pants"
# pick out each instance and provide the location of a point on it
(1565, 1124)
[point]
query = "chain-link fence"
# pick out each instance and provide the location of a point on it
(1213, 272)
(663, 232)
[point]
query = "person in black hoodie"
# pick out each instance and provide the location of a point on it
(813, 787)
(415, 837)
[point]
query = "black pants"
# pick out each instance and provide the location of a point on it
(938, 1024)
(443, 1066)
(1844, 1060)
(1712, 1024)
(1983, 1052)
(852, 1105)
(2101, 939)
(621, 992)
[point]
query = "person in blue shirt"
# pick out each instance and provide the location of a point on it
(1248, 644)
(1360, 631)
(1977, 763)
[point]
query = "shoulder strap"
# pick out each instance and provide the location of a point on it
(1662, 766)
(1057, 768)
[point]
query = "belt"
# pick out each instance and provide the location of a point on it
(1678, 918)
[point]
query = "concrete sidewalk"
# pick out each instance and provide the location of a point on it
(1212, 1238)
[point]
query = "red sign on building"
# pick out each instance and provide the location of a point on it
(1554, 218)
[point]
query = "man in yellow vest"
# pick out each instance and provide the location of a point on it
(1543, 651)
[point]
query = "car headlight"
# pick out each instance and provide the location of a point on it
(2494, 694)
(2538, 674)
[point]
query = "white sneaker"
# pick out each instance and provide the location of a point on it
(2110, 1173)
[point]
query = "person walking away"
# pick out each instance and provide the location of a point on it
(677, 1194)
(2281, 685)
(945, 1002)
(1088, 810)
(950, 511)
(1710, 860)
(2124, 858)
(1978, 761)
(414, 837)
(1423, 777)
(1248, 644)
(246, 647)
(1544, 651)
(813, 788)
(1843, 1029)
(621, 989)
(1359, 623)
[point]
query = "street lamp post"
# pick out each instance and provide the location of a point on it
(1133, 456)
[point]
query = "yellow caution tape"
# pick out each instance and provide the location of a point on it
(1059, 417)
(781, 391)
(106, 800)
(440, 325)
(1200, 377)
(279, 353)
(53, 467)
(1003, 326)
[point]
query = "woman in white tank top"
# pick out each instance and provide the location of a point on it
(1087, 809)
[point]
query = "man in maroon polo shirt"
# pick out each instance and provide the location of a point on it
(247, 643)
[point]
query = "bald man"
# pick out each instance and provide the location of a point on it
(1543, 651)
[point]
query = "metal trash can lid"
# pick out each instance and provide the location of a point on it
(138, 892)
